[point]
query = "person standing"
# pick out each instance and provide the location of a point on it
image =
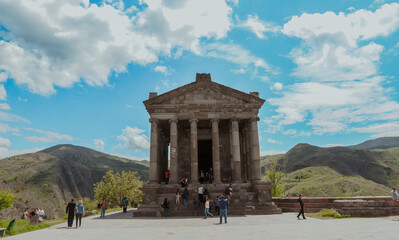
(223, 209)
(125, 203)
(210, 175)
(80, 211)
(70, 210)
(178, 195)
(165, 206)
(207, 205)
(197, 204)
(201, 194)
(300, 205)
(185, 197)
(202, 177)
(217, 205)
(104, 206)
(394, 194)
(167, 175)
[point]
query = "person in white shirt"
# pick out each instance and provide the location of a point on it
(201, 194)
(207, 206)
(394, 194)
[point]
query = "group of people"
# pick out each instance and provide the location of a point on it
(75, 210)
(206, 176)
(39, 212)
(202, 200)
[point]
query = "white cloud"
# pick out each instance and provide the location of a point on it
(5, 106)
(6, 128)
(5, 152)
(239, 71)
(9, 117)
(338, 62)
(3, 76)
(47, 136)
(134, 139)
(390, 129)
(333, 145)
(5, 143)
(272, 152)
(51, 44)
(277, 86)
(259, 27)
(3, 93)
(270, 140)
(99, 144)
(163, 69)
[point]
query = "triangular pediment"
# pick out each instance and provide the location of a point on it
(204, 93)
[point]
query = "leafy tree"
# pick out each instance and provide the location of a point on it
(115, 186)
(275, 179)
(6, 198)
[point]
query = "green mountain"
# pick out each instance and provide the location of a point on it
(379, 143)
(53, 176)
(337, 171)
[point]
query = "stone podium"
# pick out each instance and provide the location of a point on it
(199, 126)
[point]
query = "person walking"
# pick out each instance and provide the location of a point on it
(223, 209)
(165, 206)
(125, 202)
(178, 195)
(185, 197)
(80, 211)
(300, 205)
(70, 210)
(207, 205)
(104, 206)
(197, 204)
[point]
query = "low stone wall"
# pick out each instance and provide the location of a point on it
(354, 206)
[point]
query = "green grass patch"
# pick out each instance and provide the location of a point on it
(22, 226)
(328, 214)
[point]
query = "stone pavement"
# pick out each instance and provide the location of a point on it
(120, 226)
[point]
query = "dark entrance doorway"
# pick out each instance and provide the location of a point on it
(204, 155)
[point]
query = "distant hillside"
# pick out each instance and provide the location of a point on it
(337, 171)
(379, 143)
(54, 175)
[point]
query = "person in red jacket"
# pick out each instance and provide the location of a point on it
(167, 174)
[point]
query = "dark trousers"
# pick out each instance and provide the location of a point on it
(78, 218)
(301, 212)
(70, 219)
(124, 208)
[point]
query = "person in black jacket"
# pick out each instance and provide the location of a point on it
(165, 206)
(300, 205)
(70, 210)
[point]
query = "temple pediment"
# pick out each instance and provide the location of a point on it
(204, 92)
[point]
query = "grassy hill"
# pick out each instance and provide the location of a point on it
(379, 143)
(53, 176)
(337, 171)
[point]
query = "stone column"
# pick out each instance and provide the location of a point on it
(194, 150)
(236, 176)
(255, 154)
(215, 150)
(154, 163)
(173, 151)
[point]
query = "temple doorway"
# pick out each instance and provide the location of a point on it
(204, 155)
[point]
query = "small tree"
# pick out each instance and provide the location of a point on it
(275, 178)
(115, 186)
(6, 198)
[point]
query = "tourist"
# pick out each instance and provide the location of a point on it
(394, 194)
(80, 211)
(165, 206)
(104, 206)
(178, 195)
(202, 177)
(186, 182)
(206, 193)
(25, 214)
(70, 210)
(207, 206)
(217, 205)
(167, 174)
(230, 190)
(210, 175)
(125, 203)
(185, 197)
(182, 182)
(300, 205)
(201, 194)
(197, 204)
(40, 213)
(223, 209)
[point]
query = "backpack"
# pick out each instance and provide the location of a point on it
(98, 205)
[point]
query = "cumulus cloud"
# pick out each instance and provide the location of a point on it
(3, 93)
(99, 144)
(259, 27)
(50, 44)
(134, 139)
(5, 106)
(5, 143)
(47, 136)
(163, 69)
(338, 63)
(390, 129)
(272, 152)
(277, 86)
(6, 152)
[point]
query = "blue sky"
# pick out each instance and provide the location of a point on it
(77, 71)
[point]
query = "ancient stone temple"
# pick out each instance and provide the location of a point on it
(199, 126)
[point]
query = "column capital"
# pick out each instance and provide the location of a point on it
(193, 120)
(254, 119)
(153, 120)
(215, 120)
(234, 119)
(173, 120)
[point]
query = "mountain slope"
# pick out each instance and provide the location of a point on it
(52, 176)
(379, 143)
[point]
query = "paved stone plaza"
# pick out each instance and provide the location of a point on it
(282, 226)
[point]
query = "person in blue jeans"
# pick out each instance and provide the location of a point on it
(80, 211)
(223, 209)
(185, 197)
